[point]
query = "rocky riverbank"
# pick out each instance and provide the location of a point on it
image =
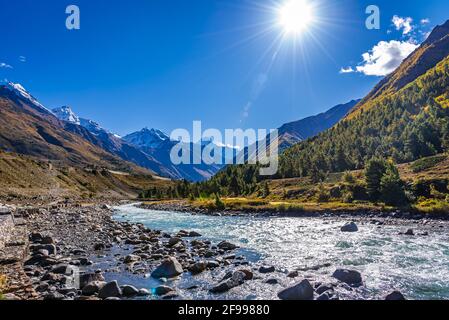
(80, 252)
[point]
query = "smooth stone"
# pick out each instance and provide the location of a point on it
(163, 290)
(131, 259)
(129, 291)
(350, 227)
(301, 291)
(170, 268)
(227, 246)
(267, 269)
(237, 278)
(323, 288)
(272, 281)
(87, 278)
(350, 277)
(109, 290)
(395, 296)
(198, 267)
(93, 288)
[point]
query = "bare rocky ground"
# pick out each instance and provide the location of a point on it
(62, 240)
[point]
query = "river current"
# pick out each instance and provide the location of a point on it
(418, 266)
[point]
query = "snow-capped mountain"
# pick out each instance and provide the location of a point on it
(21, 92)
(159, 145)
(147, 138)
(65, 113)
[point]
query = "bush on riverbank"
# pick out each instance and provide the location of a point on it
(433, 206)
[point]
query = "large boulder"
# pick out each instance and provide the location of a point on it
(170, 268)
(174, 241)
(129, 259)
(395, 296)
(267, 269)
(236, 279)
(300, 291)
(110, 290)
(93, 288)
(227, 246)
(163, 290)
(198, 267)
(129, 291)
(350, 227)
(350, 277)
(87, 278)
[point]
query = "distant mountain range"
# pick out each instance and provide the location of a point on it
(32, 129)
(149, 148)
(297, 131)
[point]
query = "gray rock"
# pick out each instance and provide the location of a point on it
(144, 293)
(131, 259)
(87, 278)
(198, 267)
(293, 274)
(324, 297)
(63, 269)
(163, 290)
(272, 281)
(194, 234)
(47, 240)
(110, 290)
(395, 296)
(129, 291)
(323, 288)
(99, 246)
(170, 268)
(350, 227)
(237, 278)
(301, 291)
(212, 264)
(350, 277)
(227, 246)
(93, 288)
(174, 241)
(54, 296)
(249, 275)
(267, 269)
(409, 232)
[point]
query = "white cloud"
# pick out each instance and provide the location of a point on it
(23, 59)
(404, 24)
(347, 70)
(383, 58)
(425, 21)
(5, 65)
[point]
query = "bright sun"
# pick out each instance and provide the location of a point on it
(295, 16)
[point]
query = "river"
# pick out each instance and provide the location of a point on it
(418, 266)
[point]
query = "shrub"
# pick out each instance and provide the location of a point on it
(348, 197)
(375, 169)
(219, 205)
(349, 178)
(392, 187)
(433, 206)
(323, 194)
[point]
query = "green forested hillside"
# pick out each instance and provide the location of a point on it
(408, 125)
(405, 126)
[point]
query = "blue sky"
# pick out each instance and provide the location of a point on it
(166, 63)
